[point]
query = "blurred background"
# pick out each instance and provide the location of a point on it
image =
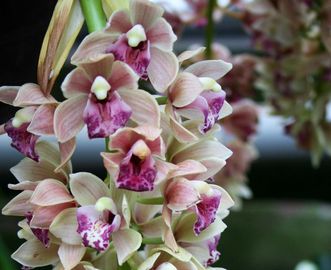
(287, 220)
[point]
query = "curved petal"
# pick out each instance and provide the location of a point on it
(65, 225)
(188, 167)
(33, 254)
(190, 54)
(93, 45)
(126, 242)
(19, 205)
(161, 35)
(68, 118)
(145, 110)
(76, 83)
(181, 133)
(163, 69)
(122, 76)
(185, 90)
(111, 162)
(87, 188)
(70, 255)
(100, 65)
(66, 150)
(26, 185)
(8, 94)
(42, 121)
(214, 69)
(50, 192)
(119, 22)
(31, 94)
(144, 13)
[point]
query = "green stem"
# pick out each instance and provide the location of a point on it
(161, 100)
(153, 241)
(151, 201)
(94, 16)
(210, 29)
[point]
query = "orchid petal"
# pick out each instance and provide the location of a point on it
(181, 254)
(126, 242)
(145, 110)
(33, 254)
(68, 118)
(226, 110)
(26, 185)
(42, 121)
(162, 69)
(188, 167)
(214, 69)
(101, 65)
(161, 35)
(111, 162)
(92, 46)
(8, 94)
(149, 262)
(181, 133)
(66, 150)
(50, 192)
(190, 54)
(2, 129)
(185, 90)
(64, 226)
(119, 21)
(76, 83)
(43, 216)
(70, 255)
(144, 13)
(123, 77)
(31, 94)
(87, 188)
(19, 205)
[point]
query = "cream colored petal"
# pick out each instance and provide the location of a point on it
(71, 255)
(214, 69)
(8, 94)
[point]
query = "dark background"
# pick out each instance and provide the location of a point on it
(289, 218)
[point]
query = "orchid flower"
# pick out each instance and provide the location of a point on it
(196, 95)
(139, 37)
(103, 95)
(134, 166)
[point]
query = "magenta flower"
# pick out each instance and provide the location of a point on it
(135, 165)
(139, 37)
(103, 95)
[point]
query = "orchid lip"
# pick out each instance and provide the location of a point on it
(210, 84)
(136, 35)
(105, 203)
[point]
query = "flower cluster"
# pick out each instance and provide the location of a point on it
(158, 207)
(295, 68)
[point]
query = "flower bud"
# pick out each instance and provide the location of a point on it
(210, 84)
(100, 87)
(136, 35)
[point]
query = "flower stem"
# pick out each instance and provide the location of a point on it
(210, 29)
(152, 201)
(161, 100)
(153, 241)
(94, 15)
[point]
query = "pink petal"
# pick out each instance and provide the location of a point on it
(41, 234)
(185, 90)
(119, 22)
(181, 195)
(104, 117)
(213, 165)
(42, 121)
(99, 66)
(22, 140)
(123, 77)
(77, 82)
(126, 242)
(189, 54)
(19, 205)
(206, 211)
(70, 255)
(50, 192)
(87, 188)
(181, 133)
(145, 110)
(43, 216)
(111, 162)
(66, 150)
(31, 94)
(163, 170)
(8, 94)
(92, 46)
(94, 230)
(161, 35)
(33, 254)
(214, 69)
(64, 227)
(68, 118)
(149, 132)
(188, 167)
(144, 13)
(162, 69)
